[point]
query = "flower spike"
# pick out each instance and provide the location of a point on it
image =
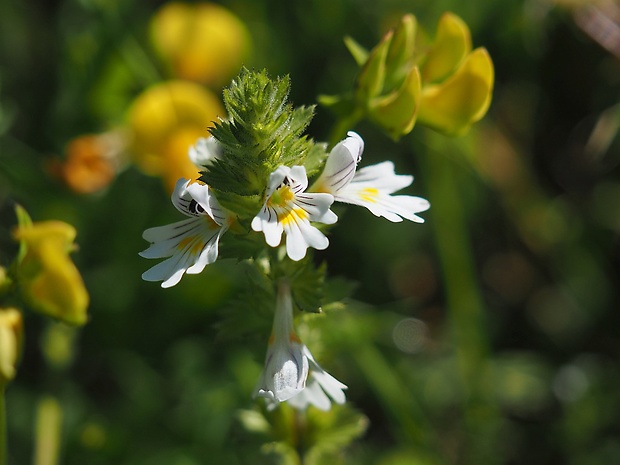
(190, 244)
(370, 187)
(290, 209)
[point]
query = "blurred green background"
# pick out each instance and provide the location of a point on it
(489, 334)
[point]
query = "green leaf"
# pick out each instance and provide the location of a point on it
(360, 54)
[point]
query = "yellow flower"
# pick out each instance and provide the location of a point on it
(202, 42)
(47, 278)
(165, 121)
(457, 82)
(11, 335)
(444, 84)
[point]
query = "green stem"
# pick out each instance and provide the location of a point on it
(48, 429)
(343, 125)
(465, 306)
(3, 432)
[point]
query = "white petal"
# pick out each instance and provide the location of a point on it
(191, 245)
(340, 165)
(205, 151)
(317, 206)
(311, 395)
(276, 178)
(381, 176)
(267, 222)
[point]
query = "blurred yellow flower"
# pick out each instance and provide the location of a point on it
(91, 163)
(202, 42)
(444, 84)
(164, 122)
(11, 336)
(457, 82)
(47, 278)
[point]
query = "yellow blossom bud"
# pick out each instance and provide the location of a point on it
(165, 120)
(47, 278)
(201, 42)
(11, 335)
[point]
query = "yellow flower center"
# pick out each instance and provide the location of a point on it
(282, 196)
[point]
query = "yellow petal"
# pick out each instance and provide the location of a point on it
(11, 335)
(47, 278)
(451, 45)
(202, 42)
(454, 105)
(397, 112)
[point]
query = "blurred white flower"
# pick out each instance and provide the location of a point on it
(204, 151)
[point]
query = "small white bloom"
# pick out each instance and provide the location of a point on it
(289, 364)
(319, 388)
(370, 187)
(190, 244)
(205, 151)
(286, 365)
(288, 208)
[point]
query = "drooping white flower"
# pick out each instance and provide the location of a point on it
(291, 373)
(289, 209)
(286, 365)
(320, 387)
(205, 151)
(370, 187)
(190, 244)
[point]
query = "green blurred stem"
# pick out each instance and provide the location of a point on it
(3, 432)
(343, 125)
(464, 302)
(48, 429)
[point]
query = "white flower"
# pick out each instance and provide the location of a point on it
(286, 365)
(319, 388)
(289, 209)
(205, 151)
(370, 187)
(190, 244)
(289, 364)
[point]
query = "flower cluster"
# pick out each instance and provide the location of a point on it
(291, 208)
(263, 180)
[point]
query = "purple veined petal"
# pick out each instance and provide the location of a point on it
(341, 164)
(167, 236)
(317, 206)
(276, 179)
(298, 179)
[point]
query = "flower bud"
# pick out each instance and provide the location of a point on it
(11, 335)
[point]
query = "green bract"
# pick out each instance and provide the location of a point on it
(444, 85)
(262, 132)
